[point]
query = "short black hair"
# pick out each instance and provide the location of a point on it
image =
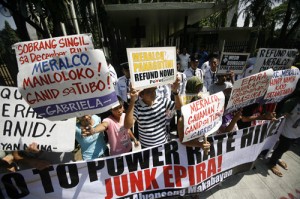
(124, 65)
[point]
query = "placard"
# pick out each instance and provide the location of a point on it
(277, 59)
(203, 117)
(151, 67)
(20, 125)
(68, 86)
(249, 90)
(281, 85)
(39, 50)
(234, 62)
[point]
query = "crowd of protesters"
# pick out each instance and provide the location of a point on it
(144, 116)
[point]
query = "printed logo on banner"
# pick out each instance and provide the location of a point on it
(281, 85)
(249, 90)
(167, 170)
(203, 117)
(235, 62)
(20, 125)
(151, 67)
(39, 50)
(68, 86)
(277, 59)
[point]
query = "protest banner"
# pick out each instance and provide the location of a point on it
(249, 90)
(68, 86)
(151, 67)
(20, 126)
(235, 62)
(40, 50)
(277, 59)
(281, 85)
(168, 170)
(203, 117)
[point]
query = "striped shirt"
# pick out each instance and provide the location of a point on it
(152, 121)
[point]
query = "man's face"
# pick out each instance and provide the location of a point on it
(126, 73)
(214, 63)
(194, 64)
(149, 94)
(221, 78)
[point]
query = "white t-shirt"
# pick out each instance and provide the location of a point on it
(291, 127)
(184, 61)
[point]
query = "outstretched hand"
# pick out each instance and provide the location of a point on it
(87, 131)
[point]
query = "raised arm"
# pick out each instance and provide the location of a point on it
(175, 86)
(129, 119)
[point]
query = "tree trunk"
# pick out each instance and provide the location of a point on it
(286, 21)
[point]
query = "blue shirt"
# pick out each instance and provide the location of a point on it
(91, 146)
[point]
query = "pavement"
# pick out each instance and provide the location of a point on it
(261, 183)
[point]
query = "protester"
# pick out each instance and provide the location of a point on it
(32, 157)
(220, 85)
(290, 132)
(122, 87)
(184, 60)
(229, 120)
(254, 114)
(193, 70)
(93, 146)
(210, 74)
(163, 91)
(150, 112)
(118, 136)
(195, 86)
(203, 57)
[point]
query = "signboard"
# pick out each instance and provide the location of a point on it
(249, 90)
(235, 62)
(169, 170)
(282, 84)
(203, 117)
(39, 50)
(277, 59)
(151, 67)
(68, 86)
(20, 126)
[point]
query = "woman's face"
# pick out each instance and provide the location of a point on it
(117, 111)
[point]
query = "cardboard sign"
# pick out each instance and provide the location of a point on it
(203, 117)
(277, 59)
(281, 85)
(235, 62)
(39, 50)
(249, 90)
(68, 86)
(169, 170)
(20, 126)
(151, 67)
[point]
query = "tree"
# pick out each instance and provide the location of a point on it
(8, 37)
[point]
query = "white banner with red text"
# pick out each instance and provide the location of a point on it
(163, 171)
